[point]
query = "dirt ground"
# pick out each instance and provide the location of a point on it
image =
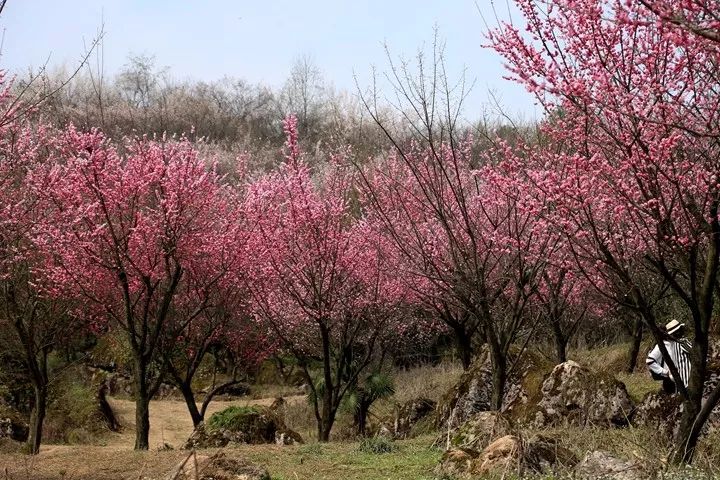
(115, 459)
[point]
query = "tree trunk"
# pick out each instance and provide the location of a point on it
(361, 415)
(560, 341)
(635, 347)
(326, 427)
(106, 409)
(142, 407)
(328, 409)
(189, 397)
(464, 347)
(691, 422)
(37, 417)
(499, 377)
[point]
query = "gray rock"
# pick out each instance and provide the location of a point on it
(573, 395)
(256, 425)
(602, 465)
(661, 412)
(480, 430)
(507, 454)
(473, 392)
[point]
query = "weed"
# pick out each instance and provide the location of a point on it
(377, 445)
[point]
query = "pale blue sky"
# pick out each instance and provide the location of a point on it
(259, 40)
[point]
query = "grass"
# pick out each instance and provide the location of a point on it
(411, 459)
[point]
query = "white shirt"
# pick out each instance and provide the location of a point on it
(679, 356)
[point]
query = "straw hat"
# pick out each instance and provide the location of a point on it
(673, 326)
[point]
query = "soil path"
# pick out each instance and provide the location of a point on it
(114, 458)
(169, 421)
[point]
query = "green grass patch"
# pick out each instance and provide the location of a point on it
(414, 459)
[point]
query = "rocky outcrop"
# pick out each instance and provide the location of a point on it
(507, 454)
(573, 395)
(473, 392)
(409, 414)
(602, 465)
(479, 431)
(251, 425)
(202, 438)
(659, 411)
(287, 437)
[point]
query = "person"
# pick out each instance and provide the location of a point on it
(679, 349)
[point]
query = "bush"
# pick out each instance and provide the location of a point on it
(74, 415)
(377, 445)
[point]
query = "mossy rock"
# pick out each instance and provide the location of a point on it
(251, 425)
(479, 431)
(575, 395)
(509, 454)
(661, 412)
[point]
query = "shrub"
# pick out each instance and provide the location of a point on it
(377, 445)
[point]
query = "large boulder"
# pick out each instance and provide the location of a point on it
(509, 453)
(661, 412)
(201, 437)
(251, 425)
(573, 395)
(473, 392)
(602, 465)
(478, 432)
(457, 462)
(408, 414)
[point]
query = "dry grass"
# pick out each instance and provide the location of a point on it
(430, 381)
(413, 459)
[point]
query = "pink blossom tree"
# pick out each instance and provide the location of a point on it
(632, 175)
(33, 323)
(320, 282)
(464, 245)
(140, 233)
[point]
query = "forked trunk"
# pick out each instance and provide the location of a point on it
(189, 397)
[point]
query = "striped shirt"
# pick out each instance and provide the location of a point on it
(679, 353)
